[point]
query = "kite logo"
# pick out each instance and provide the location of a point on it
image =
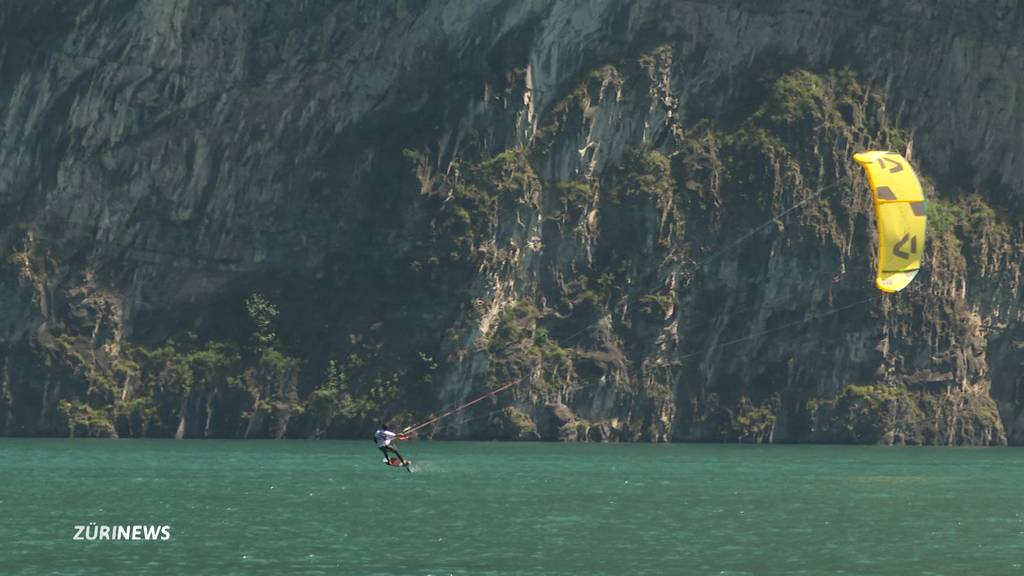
(896, 166)
(897, 250)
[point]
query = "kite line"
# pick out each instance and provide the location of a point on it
(746, 236)
(459, 408)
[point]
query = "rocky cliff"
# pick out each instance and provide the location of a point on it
(291, 219)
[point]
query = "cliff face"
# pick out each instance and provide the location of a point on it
(290, 219)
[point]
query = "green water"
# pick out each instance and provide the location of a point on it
(489, 508)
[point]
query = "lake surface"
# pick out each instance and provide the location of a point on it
(294, 507)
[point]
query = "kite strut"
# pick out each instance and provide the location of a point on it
(411, 429)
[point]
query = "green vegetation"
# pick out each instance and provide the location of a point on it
(859, 414)
(262, 313)
(836, 101)
(572, 109)
(85, 420)
(523, 351)
(943, 216)
(756, 423)
(509, 171)
(574, 197)
(815, 101)
(894, 415)
(983, 224)
(512, 423)
(175, 388)
(333, 401)
(466, 228)
(655, 304)
(643, 173)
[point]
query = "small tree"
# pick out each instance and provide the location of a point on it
(262, 313)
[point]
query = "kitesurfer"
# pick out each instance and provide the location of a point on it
(383, 437)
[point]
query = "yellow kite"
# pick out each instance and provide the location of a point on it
(899, 214)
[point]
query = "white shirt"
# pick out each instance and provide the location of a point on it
(384, 437)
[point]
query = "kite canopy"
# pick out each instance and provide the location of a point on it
(900, 216)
